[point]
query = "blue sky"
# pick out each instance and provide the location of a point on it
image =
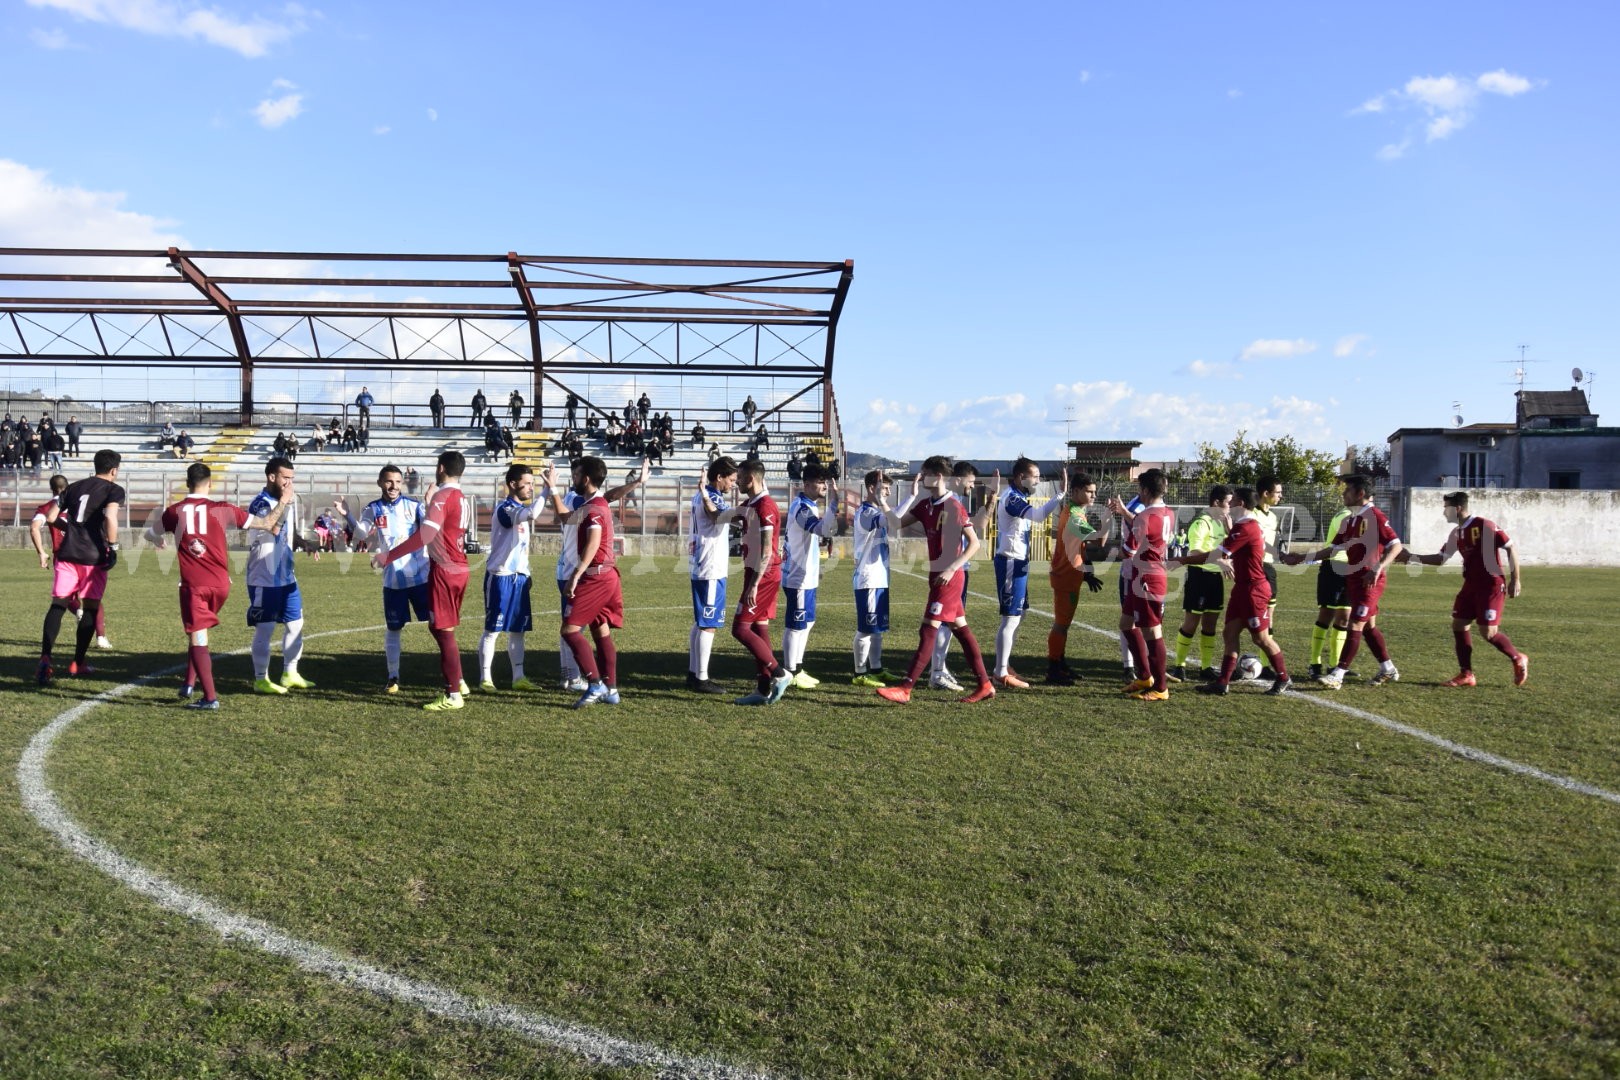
(1165, 222)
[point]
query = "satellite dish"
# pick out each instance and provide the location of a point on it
(1457, 420)
(1576, 375)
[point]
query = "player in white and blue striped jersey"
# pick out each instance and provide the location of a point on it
(1015, 515)
(564, 501)
(386, 522)
(872, 523)
(273, 597)
(807, 526)
(506, 579)
(710, 532)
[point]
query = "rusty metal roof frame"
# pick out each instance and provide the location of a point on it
(208, 308)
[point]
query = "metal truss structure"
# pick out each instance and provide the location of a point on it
(549, 316)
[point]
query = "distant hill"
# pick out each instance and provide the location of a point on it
(859, 464)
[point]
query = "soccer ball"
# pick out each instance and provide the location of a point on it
(1248, 666)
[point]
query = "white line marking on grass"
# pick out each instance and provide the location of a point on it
(1484, 757)
(594, 1046)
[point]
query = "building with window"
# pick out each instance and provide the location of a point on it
(1554, 442)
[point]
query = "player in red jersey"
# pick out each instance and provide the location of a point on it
(88, 551)
(1481, 543)
(443, 533)
(762, 581)
(1242, 555)
(199, 525)
(40, 525)
(1370, 546)
(1150, 529)
(593, 595)
(952, 543)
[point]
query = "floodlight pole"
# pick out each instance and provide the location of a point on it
(199, 280)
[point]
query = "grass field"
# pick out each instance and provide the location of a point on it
(1059, 883)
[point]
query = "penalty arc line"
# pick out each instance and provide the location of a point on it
(597, 1047)
(1470, 753)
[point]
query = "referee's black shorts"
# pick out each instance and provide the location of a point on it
(1205, 591)
(1331, 586)
(1270, 570)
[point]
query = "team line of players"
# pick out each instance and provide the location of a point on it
(420, 549)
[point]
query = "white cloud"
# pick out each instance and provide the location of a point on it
(1234, 93)
(34, 212)
(433, 114)
(1347, 345)
(1169, 425)
(1276, 349)
(381, 129)
(50, 39)
(273, 112)
(1203, 369)
(192, 22)
(1448, 102)
(1085, 76)
(283, 84)
(1504, 83)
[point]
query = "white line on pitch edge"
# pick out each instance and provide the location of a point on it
(588, 1043)
(1484, 757)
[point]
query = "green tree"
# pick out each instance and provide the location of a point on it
(1243, 461)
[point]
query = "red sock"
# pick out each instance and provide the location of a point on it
(1277, 663)
(200, 662)
(1228, 668)
(757, 640)
(925, 652)
(970, 648)
(1503, 645)
(1465, 649)
(1138, 646)
(1156, 662)
(1352, 645)
(583, 658)
(191, 665)
(1056, 643)
(1375, 642)
(607, 658)
(449, 659)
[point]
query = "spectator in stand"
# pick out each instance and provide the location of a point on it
(279, 445)
(317, 438)
(812, 458)
(334, 432)
(74, 430)
(351, 439)
(633, 441)
(479, 404)
(590, 424)
(753, 454)
(629, 411)
(7, 424)
(364, 435)
(795, 470)
(508, 443)
(833, 470)
(666, 434)
(292, 447)
(436, 407)
(8, 444)
(654, 452)
(614, 436)
(413, 479)
(700, 434)
(714, 451)
(166, 435)
(514, 405)
(54, 444)
(762, 438)
(32, 450)
(571, 410)
(364, 401)
(492, 441)
(644, 406)
(748, 411)
(183, 443)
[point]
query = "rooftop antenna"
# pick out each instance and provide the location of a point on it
(1588, 377)
(1519, 370)
(1068, 421)
(1457, 419)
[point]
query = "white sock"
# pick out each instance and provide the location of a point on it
(260, 649)
(565, 660)
(391, 649)
(1125, 653)
(1386, 665)
(942, 645)
(292, 646)
(486, 656)
(705, 646)
(875, 658)
(514, 654)
(1004, 642)
(863, 652)
(793, 648)
(692, 636)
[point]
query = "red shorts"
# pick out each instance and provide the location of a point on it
(77, 580)
(945, 602)
(598, 601)
(764, 609)
(1362, 598)
(1480, 603)
(1251, 607)
(445, 590)
(1147, 611)
(200, 607)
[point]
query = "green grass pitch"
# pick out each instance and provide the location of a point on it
(1060, 883)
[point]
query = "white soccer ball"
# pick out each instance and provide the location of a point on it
(1248, 666)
